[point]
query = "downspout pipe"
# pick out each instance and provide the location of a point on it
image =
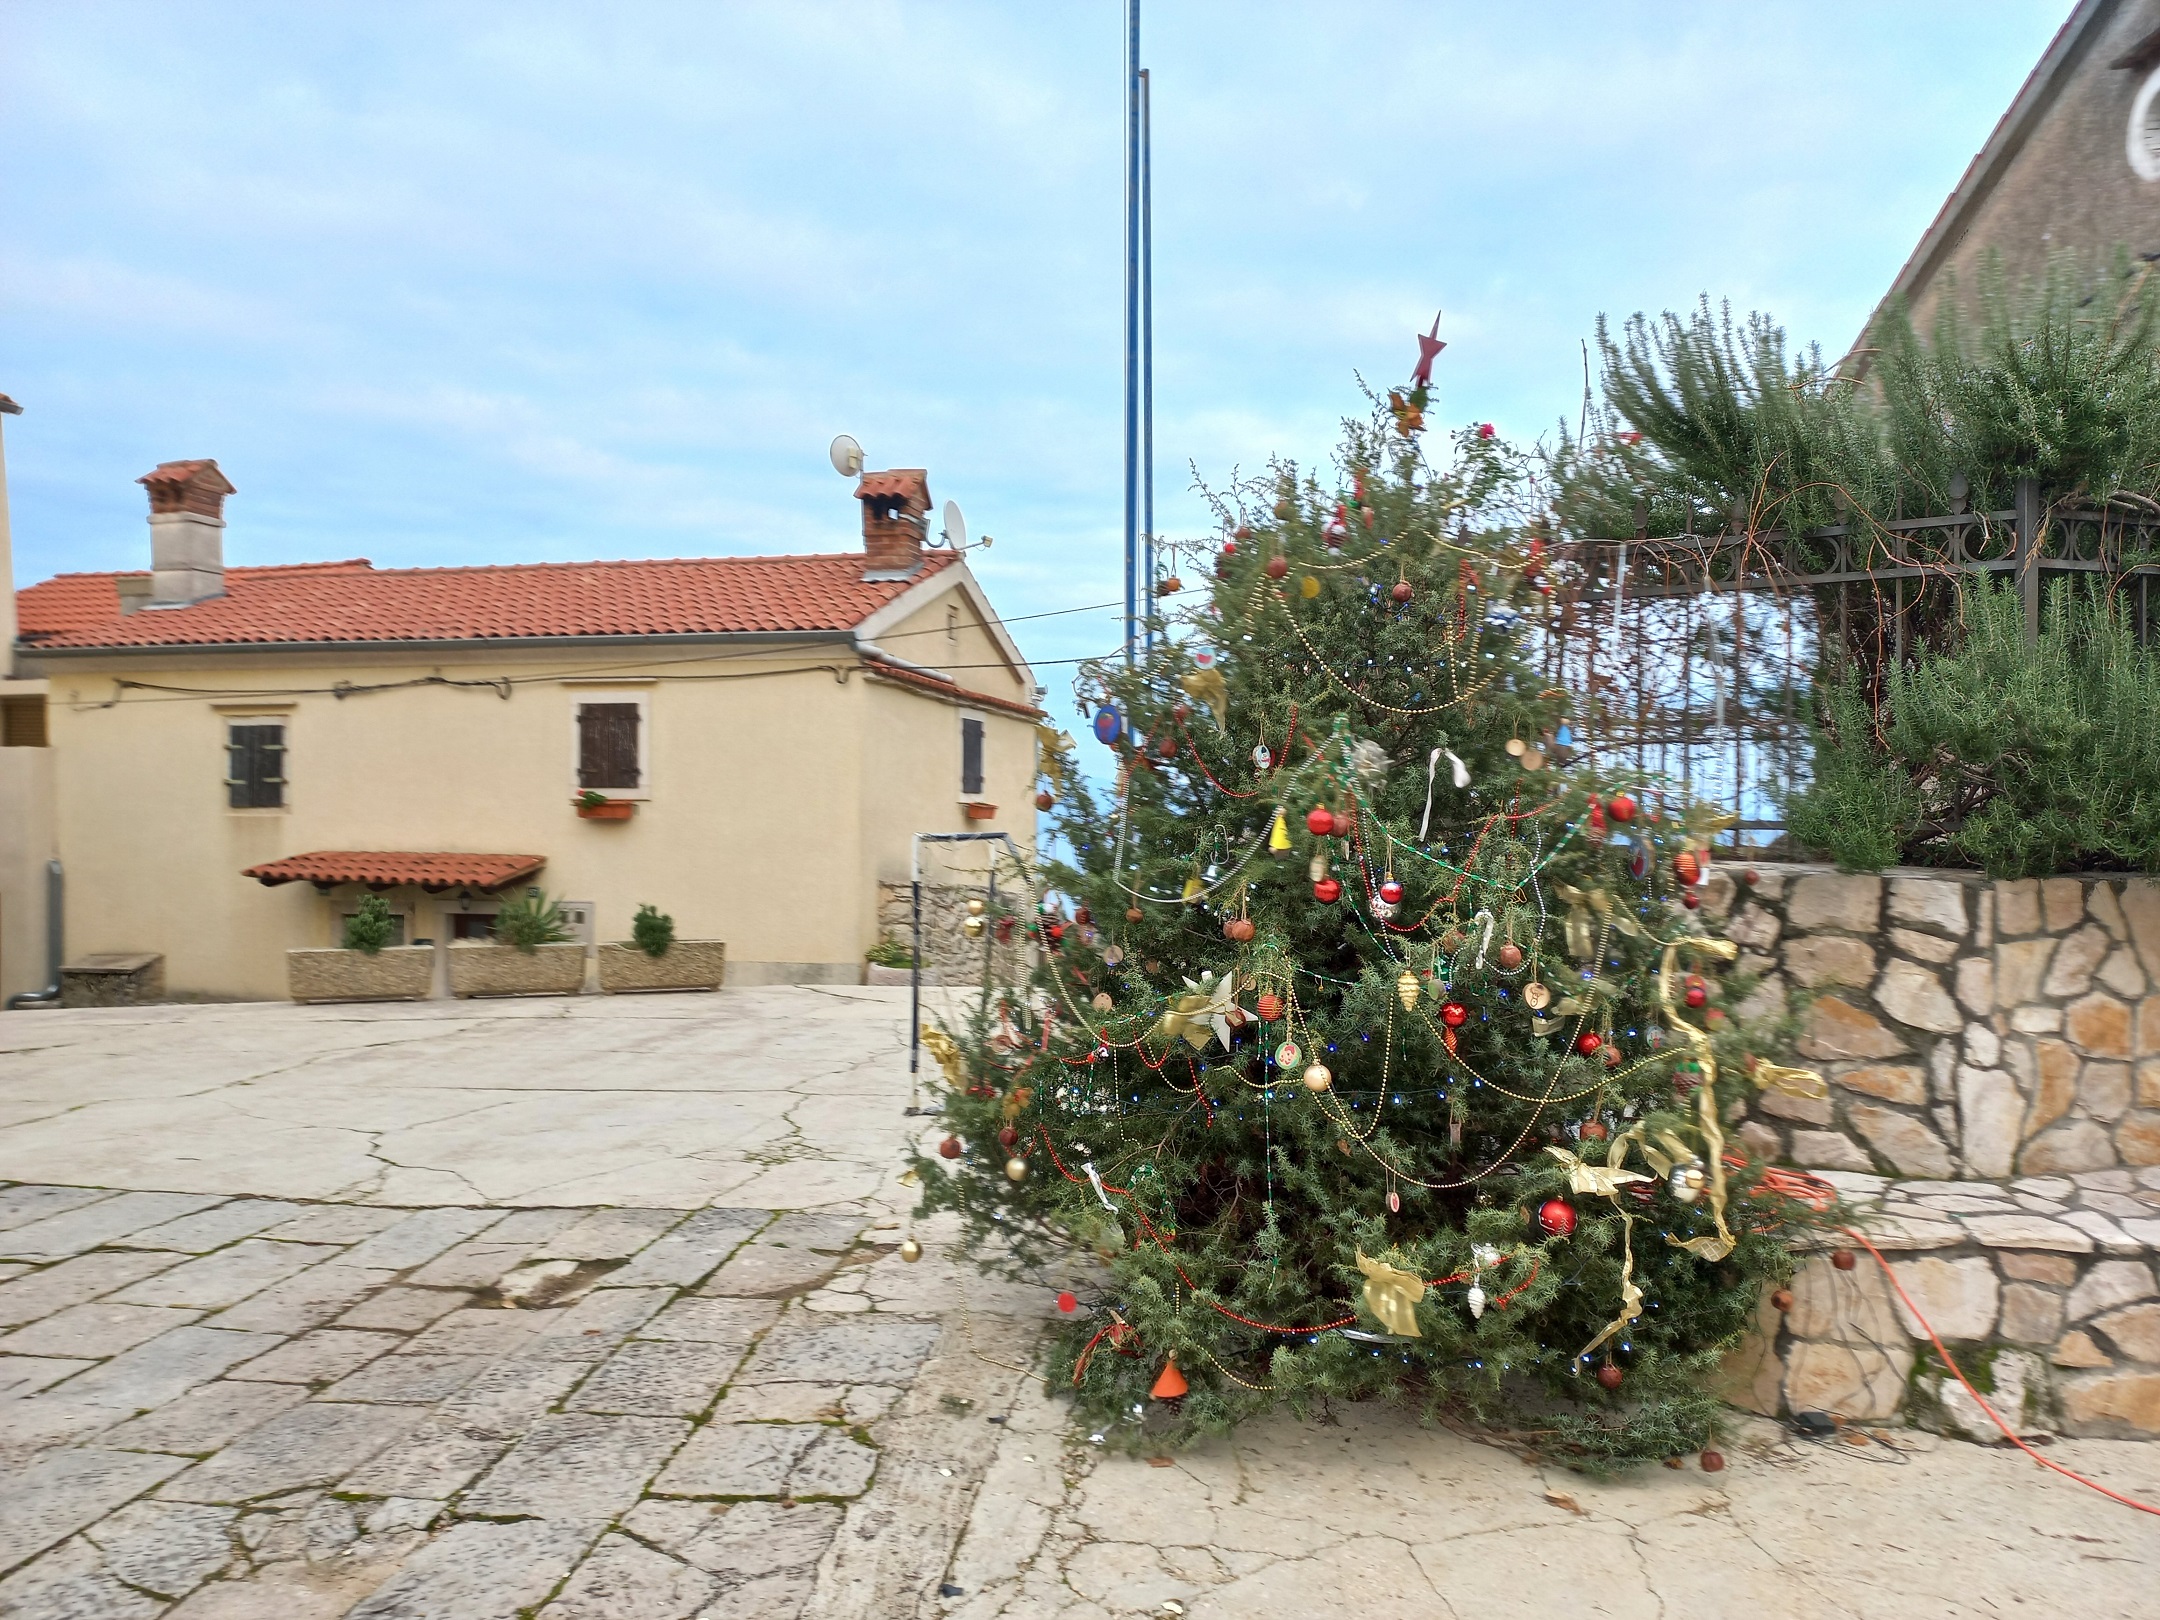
(55, 944)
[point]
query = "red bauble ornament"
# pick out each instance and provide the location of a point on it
(1696, 995)
(1589, 1041)
(1134, 914)
(1269, 1007)
(1068, 1302)
(1609, 1376)
(1751, 877)
(1401, 592)
(1509, 957)
(1454, 1014)
(1557, 1216)
(1239, 929)
(1083, 916)
(1391, 892)
(1327, 890)
(1229, 548)
(1008, 1136)
(1622, 808)
(1319, 821)
(1844, 1259)
(1180, 712)
(1611, 1054)
(1713, 1462)
(1687, 868)
(1044, 801)
(949, 1148)
(1242, 533)
(1277, 567)
(1781, 1299)
(1691, 900)
(1167, 748)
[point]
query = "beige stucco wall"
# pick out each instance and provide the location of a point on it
(775, 799)
(2071, 184)
(26, 845)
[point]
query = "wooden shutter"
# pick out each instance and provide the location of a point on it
(971, 766)
(22, 722)
(255, 768)
(608, 745)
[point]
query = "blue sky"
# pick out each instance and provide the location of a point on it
(444, 283)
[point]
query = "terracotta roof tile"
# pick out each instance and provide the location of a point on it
(432, 871)
(909, 484)
(946, 688)
(353, 602)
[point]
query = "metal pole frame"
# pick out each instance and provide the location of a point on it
(914, 1053)
(1132, 325)
(1147, 353)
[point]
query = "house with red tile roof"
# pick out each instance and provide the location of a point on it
(750, 743)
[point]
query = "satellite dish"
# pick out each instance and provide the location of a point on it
(955, 526)
(847, 456)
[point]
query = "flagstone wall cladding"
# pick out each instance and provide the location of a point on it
(946, 949)
(2044, 1289)
(1969, 1028)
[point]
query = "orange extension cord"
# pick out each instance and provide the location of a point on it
(2008, 1433)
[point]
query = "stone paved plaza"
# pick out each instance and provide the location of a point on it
(591, 1309)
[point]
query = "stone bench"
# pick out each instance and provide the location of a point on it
(113, 979)
(2044, 1289)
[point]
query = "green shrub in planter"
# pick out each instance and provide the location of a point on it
(889, 953)
(371, 927)
(530, 921)
(652, 931)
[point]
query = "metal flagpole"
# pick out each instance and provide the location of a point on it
(1132, 324)
(1147, 348)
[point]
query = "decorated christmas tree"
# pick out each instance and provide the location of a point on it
(1378, 1045)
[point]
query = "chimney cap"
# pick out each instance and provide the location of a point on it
(910, 486)
(187, 486)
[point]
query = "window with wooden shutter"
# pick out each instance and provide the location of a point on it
(971, 758)
(608, 757)
(255, 765)
(22, 721)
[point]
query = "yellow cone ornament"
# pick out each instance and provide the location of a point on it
(1406, 988)
(1278, 838)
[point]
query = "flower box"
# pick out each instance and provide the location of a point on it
(394, 973)
(502, 970)
(689, 964)
(613, 810)
(980, 812)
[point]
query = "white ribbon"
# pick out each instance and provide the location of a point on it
(1095, 1181)
(1432, 766)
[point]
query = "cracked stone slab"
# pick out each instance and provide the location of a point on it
(214, 1228)
(320, 1357)
(167, 1367)
(65, 1491)
(690, 1252)
(94, 1331)
(420, 1237)
(19, 1206)
(314, 1444)
(25, 1375)
(873, 1350)
(626, 1580)
(168, 1548)
(402, 1310)
(410, 1378)
(228, 1276)
(739, 1541)
(480, 1572)
(75, 1282)
(75, 1231)
(609, 1234)
(577, 1466)
(72, 1583)
(659, 1379)
(305, 1301)
(735, 1322)
(205, 1418)
(769, 1459)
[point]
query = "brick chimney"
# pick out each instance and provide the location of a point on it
(187, 531)
(895, 514)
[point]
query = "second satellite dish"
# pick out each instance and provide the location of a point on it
(847, 457)
(955, 527)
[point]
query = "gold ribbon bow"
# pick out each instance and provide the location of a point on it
(1391, 1295)
(1597, 1180)
(1208, 686)
(1201, 1014)
(947, 1052)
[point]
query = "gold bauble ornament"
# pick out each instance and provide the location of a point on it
(910, 1250)
(1406, 987)
(974, 908)
(973, 927)
(1016, 1169)
(1308, 587)
(1317, 1077)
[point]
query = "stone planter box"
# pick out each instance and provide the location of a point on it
(874, 974)
(500, 970)
(396, 973)
(690, 964)
(113, 979)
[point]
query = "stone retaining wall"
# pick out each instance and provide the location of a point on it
(2043, 1288)
(946, 951)
(1969, 1028)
